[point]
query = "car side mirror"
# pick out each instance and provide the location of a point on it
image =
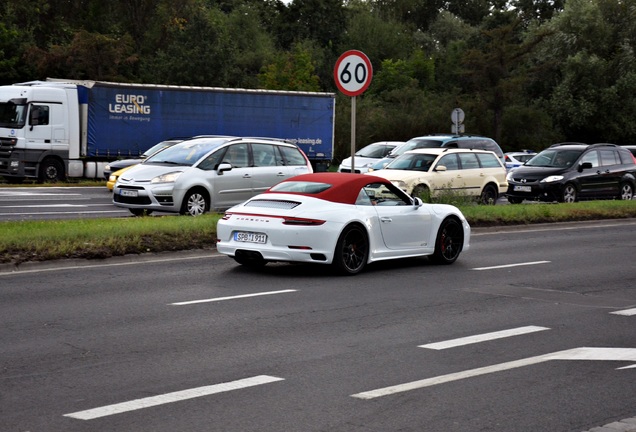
(417, 202)
(223, 167)
(585, 165)
(441, 168)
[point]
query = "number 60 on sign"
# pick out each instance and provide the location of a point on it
(353, 73)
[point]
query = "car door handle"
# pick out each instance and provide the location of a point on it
(247, 176)
(281, 174)
(386, 219)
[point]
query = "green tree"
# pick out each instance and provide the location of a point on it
(588, 80)
(291, 71)
(9, 55)
(496, 67)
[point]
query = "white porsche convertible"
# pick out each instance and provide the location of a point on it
(348, 220)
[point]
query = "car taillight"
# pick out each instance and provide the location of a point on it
(227, 216)
(302, 221)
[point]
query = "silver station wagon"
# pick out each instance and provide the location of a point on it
(211, 173)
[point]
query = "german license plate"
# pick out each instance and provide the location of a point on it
(128, 193)
(250, 237)
(523, 189)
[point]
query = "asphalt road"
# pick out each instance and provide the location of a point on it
(531, 330)
(50, 203)
(39, 203)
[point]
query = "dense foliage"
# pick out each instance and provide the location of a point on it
(526, 72)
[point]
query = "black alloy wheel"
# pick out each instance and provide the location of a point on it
(449, 242)
(352, 250)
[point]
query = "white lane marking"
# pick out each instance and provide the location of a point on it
(30, 194)
(556, 226)
(483, 337)
(171, 397)
(626, 312)
(136, 262)
(62, 212)
(583, 353)
(512, 265)
(232, 297)
(55, 205)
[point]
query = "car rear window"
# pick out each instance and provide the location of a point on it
(488, 160)
(292, 155)
(301, 187)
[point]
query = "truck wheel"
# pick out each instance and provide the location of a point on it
(51, 170)
(195, 203)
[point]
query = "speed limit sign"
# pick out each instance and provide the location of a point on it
(353, 72)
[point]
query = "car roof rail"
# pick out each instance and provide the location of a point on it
(603, 145)
(567, 143)
(269, 139)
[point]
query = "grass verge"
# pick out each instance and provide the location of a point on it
(103, 238)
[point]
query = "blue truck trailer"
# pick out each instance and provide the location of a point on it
(53, 129)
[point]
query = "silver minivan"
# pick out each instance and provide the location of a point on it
(211, 173)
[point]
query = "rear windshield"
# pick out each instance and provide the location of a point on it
(301, 187)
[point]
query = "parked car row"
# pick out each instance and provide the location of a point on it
(192, 176)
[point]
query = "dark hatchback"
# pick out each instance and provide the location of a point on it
(569, 172)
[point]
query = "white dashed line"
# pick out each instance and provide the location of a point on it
(626, 312)
(512, 265)
(232, 297)
(483, 337)
(171, 397)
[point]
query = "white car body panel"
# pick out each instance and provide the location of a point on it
(393, 231)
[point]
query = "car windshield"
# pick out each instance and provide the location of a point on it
(301, 187)
(555, 158)
(12, 115)
(373, 151)
(155, 148)
(415, 143)
(185, 153)
(412, 162)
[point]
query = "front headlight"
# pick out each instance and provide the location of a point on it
(167, 178)
(107, 167)
(112, 178)
(553, 178)
(509, 176)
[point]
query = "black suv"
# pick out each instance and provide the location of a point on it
(568, 172)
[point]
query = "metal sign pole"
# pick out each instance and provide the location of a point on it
(353, 133)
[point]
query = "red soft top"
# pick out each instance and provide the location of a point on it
(345, 187)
